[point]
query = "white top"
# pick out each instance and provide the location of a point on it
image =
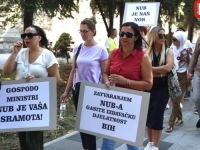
(37, 68)
(181, 37)
(107, 44)
(188, 44)
(88, 63)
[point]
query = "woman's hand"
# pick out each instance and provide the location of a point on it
(64, 97)
(117, 79)
(17, 47)
(108, 84)
(29, 78)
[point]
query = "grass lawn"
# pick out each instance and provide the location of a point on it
(9, 140)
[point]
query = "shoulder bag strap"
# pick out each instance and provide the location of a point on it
(77, 53)
(76, 56)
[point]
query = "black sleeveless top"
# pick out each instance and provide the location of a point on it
(158, 82)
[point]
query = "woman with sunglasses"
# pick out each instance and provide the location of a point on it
(128, 67)
(35, 61)
(181, 61)
(87, 66)
(161, 65)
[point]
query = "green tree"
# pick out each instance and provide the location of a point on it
(108, 9)
(180, 13)
(63, 46)
(188, 21)
(13, 10)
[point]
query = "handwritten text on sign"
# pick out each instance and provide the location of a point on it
(24, 105)
(114, 113)
(141, 13)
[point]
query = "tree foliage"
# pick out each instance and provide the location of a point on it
(108, 9)
(63, 46)
(13, 10)
(188, 20)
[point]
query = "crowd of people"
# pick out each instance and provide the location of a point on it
(142, 62)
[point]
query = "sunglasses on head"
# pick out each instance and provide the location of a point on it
(29, 35)
(174, 40)
(128, 34)
(161, 36)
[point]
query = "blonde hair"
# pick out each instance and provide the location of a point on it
(91, 23)
(151, 40)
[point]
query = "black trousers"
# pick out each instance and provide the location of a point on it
(88, 141)
(31, 140)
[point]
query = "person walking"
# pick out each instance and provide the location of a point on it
(194, 73)
(162, 63)
(128, 67)
(35, 61)
(88, 66)
(181, 60)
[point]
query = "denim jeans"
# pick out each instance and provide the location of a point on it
(110, 145)
(196, 93)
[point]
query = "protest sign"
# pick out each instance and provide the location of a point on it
(28, 106)
(118, 114)
(144, 14)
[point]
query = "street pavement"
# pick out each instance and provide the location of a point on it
(184, 137)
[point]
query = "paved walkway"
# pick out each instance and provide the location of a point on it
(184, 137)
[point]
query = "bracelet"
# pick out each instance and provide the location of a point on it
(161, 75)
(128, 82)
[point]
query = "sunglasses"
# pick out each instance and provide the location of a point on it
(29, 35)
(128, 34)
(161, 36)
(174, 40)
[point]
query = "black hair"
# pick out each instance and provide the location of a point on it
(40, 32)
(136, 29)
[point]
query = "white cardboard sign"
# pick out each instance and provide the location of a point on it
(28, 106)
(118, 114)
(144, 14)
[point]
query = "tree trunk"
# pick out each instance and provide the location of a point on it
(111, 15)
(28, 15)
(102, 14)
(190, 32)
(121, 9)
(169, 36)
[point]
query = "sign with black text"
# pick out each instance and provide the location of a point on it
(28, 106)
(118, 114)
(144, 14)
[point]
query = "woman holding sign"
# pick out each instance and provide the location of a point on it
(161, 65)
(128, 67)
(88, 65)
(35, 61)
